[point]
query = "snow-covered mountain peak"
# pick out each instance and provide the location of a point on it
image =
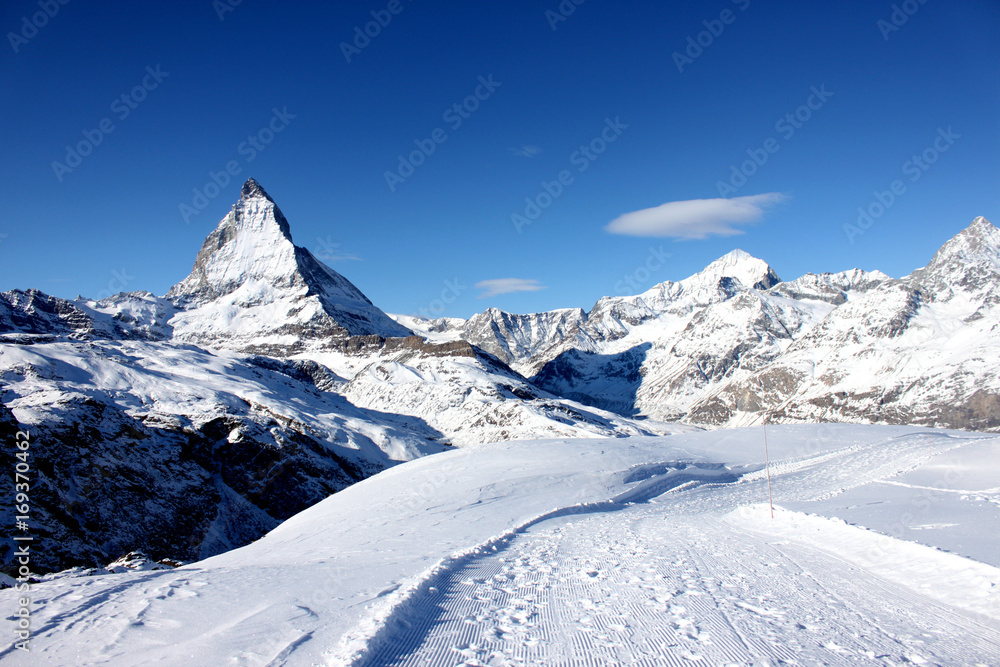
(252, 243)
(969, 262)
(979, 237)
(743, 266)
(977, 243)
(833, 288)
(249, 278)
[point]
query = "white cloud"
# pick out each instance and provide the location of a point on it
(330, 252)
(527, 151)
(507, 286)
(695, 218)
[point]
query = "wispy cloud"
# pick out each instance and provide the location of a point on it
(507, 286)
(328, 251)
(527, 151)
(695, 218)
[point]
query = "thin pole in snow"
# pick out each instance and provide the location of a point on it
(767, 467)
(767, 458)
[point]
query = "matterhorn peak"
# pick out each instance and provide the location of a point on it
(249, 281)
(253, 243)
(253, 189)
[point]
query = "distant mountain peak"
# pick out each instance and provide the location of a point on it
(737, 255)
(981, 223)
(969, 262)
(978, 242)
(743, 266)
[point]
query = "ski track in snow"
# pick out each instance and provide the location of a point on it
(634, 552)
(654, 579)
(649, 589)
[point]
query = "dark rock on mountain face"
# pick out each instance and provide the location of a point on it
(34, 312)
(585, 377)
(104, 483)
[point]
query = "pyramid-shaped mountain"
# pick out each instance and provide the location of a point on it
(251, 288)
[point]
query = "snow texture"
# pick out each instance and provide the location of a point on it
(646, 551)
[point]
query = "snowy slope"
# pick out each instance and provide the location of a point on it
(626, 551)
(439, 330)
(182, 453)
(472, 401)
(221, 446)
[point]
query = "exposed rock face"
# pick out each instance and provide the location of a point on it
(833, 288)
(967, 265)
(515, 338)
(34, 312)
(732, 345)
(252, 289)
(179, 453)
(8, 425)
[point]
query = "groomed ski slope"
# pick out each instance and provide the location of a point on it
(638, 551)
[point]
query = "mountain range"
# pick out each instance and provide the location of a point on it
(189, 424)
(734, 345)
(192, 423)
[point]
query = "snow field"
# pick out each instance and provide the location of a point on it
(631, 551)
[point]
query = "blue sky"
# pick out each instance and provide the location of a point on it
(598, 100)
